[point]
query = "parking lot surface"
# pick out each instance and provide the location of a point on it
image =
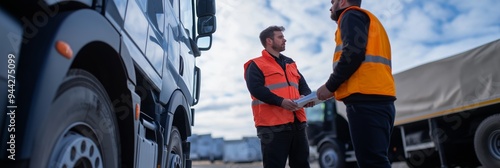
(219, 164)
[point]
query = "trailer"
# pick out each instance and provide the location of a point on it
(448, 111)
(447, 115)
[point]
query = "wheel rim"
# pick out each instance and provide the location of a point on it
(76, 151)
(175, 149)
(175, 160)
(330, 158)
(494, 143)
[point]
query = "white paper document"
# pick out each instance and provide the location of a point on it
(309, 98)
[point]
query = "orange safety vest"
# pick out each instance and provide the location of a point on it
(281, 83)
(374, 76)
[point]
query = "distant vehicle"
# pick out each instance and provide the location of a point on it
(447, 115)
(328, 133)
(100, 83)
(204, 147)
(242, 150)
(217, 149)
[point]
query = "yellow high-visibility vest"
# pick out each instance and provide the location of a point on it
(374, 76)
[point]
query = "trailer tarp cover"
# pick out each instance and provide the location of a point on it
(461, 82)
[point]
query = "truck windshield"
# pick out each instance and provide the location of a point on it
(316, 113)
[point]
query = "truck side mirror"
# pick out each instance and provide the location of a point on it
(205, 8)
(204, 43)
(205, 11)
(207, 25)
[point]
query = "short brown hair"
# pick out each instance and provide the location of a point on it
(269, 33)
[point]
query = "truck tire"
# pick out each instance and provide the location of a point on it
(80, 130)
(176, 157)
(487, 142)
(331, 156)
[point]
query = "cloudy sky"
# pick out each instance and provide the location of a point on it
(419, 31)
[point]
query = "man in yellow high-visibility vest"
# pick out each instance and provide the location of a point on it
(362, 79)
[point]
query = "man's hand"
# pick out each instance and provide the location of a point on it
(289, 105)
(310, 104)
(323, 93)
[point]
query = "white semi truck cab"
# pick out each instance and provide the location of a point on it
(100, 83)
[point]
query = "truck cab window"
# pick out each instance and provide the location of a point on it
(315, 113)
(156, 14)
(186, 16)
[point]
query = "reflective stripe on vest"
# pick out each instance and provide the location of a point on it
(372, 59)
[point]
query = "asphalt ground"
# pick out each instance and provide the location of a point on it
(220, 164)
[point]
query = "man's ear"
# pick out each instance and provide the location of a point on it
(269, 41)
(342, 3)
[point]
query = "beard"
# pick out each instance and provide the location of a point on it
(279, 48)
(333, 16)
(333, 13)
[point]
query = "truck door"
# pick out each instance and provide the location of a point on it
(315, 119)
(187, 57)
(180, 55)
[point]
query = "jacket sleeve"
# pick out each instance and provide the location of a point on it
(303, 87)
(354, 27)
(255, 84)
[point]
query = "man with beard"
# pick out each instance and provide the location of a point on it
(363, 80)
(274, 82)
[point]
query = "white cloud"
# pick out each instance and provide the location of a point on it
(419, 27)
(233, 123)
(437, 11)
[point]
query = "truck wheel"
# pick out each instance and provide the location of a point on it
(80, 130)
(330, 156)
(176, 156)
(487, 142)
